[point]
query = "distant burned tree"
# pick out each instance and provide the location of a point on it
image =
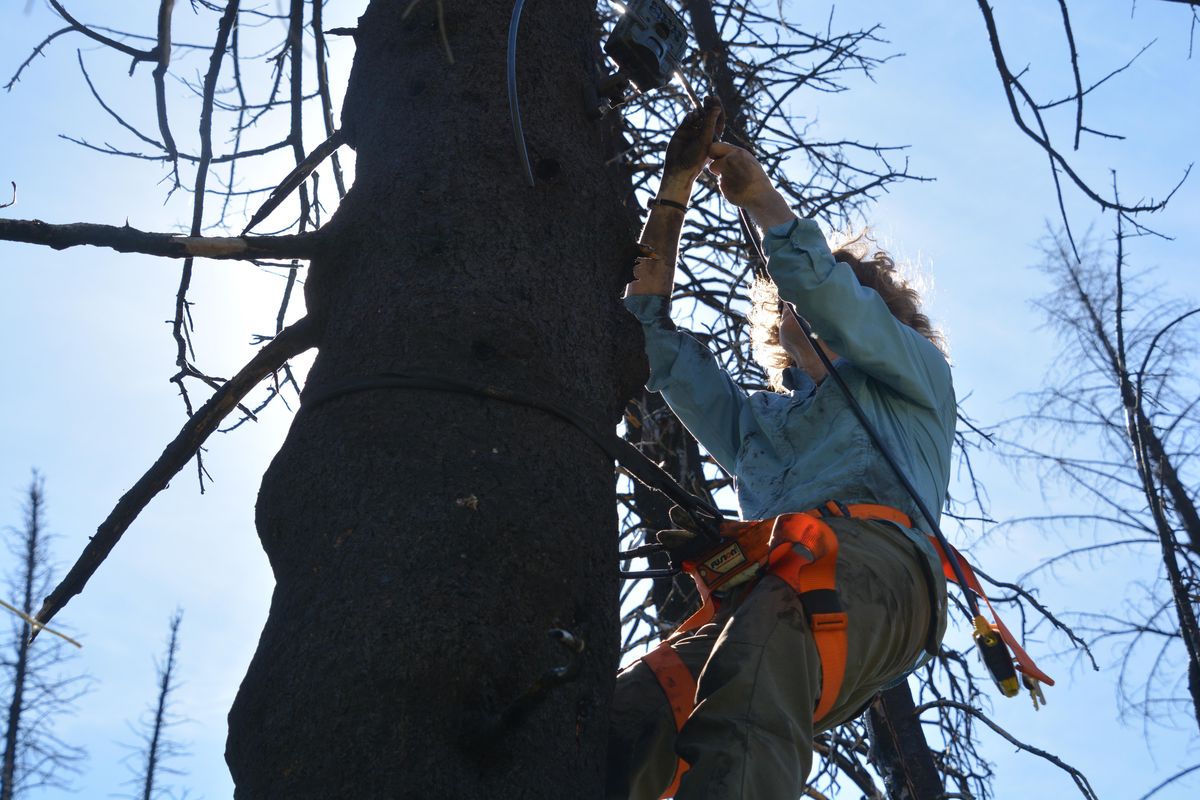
(1118, 424)
(39, 687)
(149, 764)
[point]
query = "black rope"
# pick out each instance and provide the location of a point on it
(621, 451)
(514, 108)
(972, 603)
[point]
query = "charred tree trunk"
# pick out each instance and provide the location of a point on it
(30, 554)
(1162, 465)
(424, 542)
(37, 675)
(158, 747)
(898, 747)
(1153, 465)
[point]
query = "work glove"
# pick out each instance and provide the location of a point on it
(684, 541)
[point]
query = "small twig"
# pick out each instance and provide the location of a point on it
(296, 177)
(137, 55)
(162, 53)
(37, 51)
(1045, 612)
(323, 91)
(1078, 97)
(1169, 781)
(14, 199)
(120, 120)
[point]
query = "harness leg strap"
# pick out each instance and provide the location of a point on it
(816, 583)
(680, 687)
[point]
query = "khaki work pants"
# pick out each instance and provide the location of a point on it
(759, 678)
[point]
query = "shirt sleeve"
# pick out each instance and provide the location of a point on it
(700, 393)
(852, 319)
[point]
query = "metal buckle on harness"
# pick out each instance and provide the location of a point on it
(824, 610)
(834, 508)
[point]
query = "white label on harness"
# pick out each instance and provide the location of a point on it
(726, 560)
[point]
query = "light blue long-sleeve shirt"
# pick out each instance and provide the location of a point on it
(794, 450)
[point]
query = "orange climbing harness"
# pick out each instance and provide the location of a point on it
(768, 546)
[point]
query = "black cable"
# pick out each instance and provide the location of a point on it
(514, 109)
(972, 603)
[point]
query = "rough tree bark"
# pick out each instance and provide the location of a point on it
(423, 543)
(898, 747)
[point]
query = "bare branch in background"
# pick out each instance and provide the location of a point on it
(162, 52)
(1018, 97)
(181, 326)
(169, 245)
(322, 55)
(37, 51)
(132, 52)
(1081, 781)
(292, 341)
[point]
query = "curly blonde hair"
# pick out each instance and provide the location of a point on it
(874, 268)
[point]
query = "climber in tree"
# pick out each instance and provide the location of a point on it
(752, 685)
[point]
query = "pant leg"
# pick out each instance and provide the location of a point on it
(882, 586)
(750, 737)
(751, 733)
(641, 741)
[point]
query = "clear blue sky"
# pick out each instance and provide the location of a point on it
(85, 355)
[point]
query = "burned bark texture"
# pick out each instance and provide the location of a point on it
(423, 543)
(898, 747)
